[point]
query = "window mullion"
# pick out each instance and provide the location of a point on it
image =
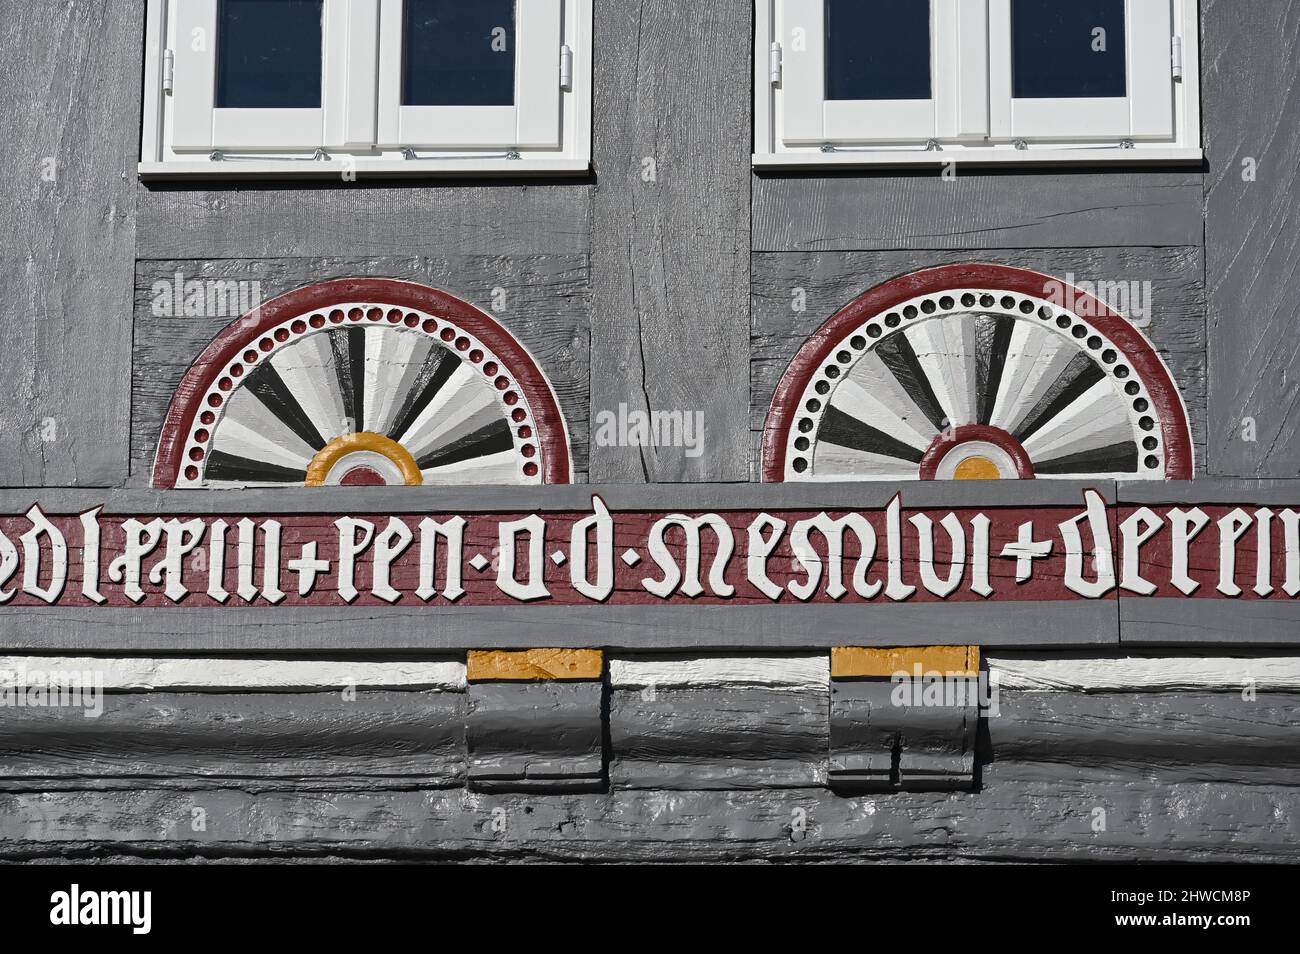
(999, 46)
(961, 69)
(538, 39)
(195, 84)
(351, 73)
(803, 40)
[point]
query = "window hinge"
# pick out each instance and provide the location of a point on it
(775, 69)
(1178, 58)
(169, 72)
(566, 68)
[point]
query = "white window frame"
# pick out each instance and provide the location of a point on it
(973, 116)
(532, 121)
(361, 128)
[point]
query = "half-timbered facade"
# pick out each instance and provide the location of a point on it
(584, 429)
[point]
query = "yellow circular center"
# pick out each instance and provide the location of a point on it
(333, 452)
(977, 468)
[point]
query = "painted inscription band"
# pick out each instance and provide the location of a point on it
(1090, 551)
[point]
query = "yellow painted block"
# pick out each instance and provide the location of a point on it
(535, 665)
(861, 662)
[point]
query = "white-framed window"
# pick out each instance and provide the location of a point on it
(846, 82)
(384, 87)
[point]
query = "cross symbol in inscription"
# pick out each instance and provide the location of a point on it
(307, 567)
(1026, 550)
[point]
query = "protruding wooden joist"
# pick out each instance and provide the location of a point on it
(885, 736)
(535, 720)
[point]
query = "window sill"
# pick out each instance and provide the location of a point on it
(968, 156)
(346, 171)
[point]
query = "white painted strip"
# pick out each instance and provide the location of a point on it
(239, 675)
(1144, 673)
(720, 672)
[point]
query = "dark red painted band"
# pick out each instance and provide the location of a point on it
(551, 433)
(1150, 368)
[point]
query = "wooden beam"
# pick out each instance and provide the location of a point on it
(861, 662)
(535, 665)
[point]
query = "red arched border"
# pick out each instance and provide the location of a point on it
(552, 433)
(818, 349)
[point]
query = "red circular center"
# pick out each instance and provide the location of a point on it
(999, 438)
(363, 477)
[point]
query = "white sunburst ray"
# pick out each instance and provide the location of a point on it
(309, 371)
(464, 393)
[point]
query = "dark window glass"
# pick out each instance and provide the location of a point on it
(877, 49)
(458, 53)
(269, 54)
(1063, 50)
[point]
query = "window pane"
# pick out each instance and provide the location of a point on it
(877, 49)
(1063, 50)
(269, 54)
(458, 53)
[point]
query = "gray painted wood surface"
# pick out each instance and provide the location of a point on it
(876, 744)
(544, 303)
(69, 110)
(1252, 235)
(831, 280)
(984, 209)
(190, 739)
(1197, 736)
(379, 218)
(543, 737)
(1071, 623)
(670, 257)
(711, 738)
(1172, 776)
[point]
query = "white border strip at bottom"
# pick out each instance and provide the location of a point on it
(1080, 673)
(235, 675)
(791, 672)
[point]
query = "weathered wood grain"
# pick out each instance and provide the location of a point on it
(670, 229)
(1179, 776)
(217, 674)
(1079, 672)
(543, 300)
(379, 218)
(535, 665)
(69, 108)
(1251, 95)
(1025, 813)
(408, 628)
(880, 744)
(858, 662)
(830, 280)
(1194, 736)
(207, 738)
(535, 737)
(713, 738)
(979, 209)
(777, 673)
